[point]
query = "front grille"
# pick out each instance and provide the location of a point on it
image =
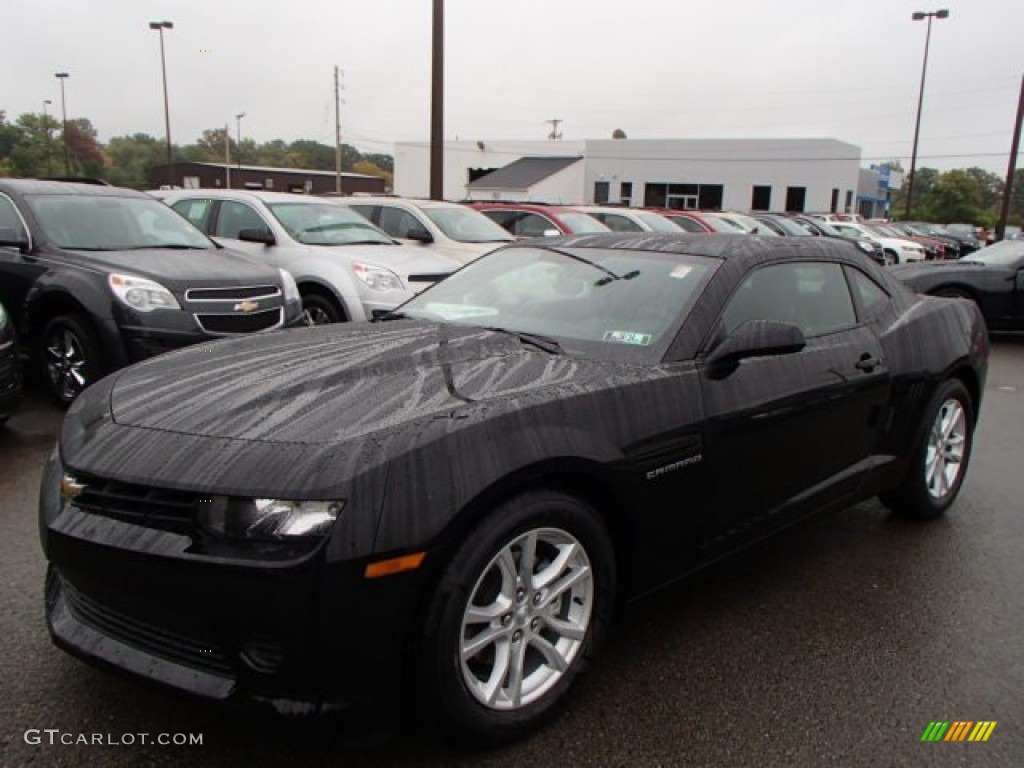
(139, 504)
(238, 293)
(171, 645)
(428, 277)
(241, 323)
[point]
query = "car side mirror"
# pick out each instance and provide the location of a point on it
(257, 235)
(11, 238)
(755, 338)
(420, 235)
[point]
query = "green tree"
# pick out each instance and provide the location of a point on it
(129, 159)
(957, 196)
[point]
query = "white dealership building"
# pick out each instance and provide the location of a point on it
(728, 174)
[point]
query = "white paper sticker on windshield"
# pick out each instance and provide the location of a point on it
(681, 271)
(459, 311)
(628, 337)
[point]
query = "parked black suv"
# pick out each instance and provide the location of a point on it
(99, 277)
(10, 367)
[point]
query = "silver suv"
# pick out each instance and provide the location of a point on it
(346, 268)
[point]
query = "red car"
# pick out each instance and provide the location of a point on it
(697, 222)
(527, 220)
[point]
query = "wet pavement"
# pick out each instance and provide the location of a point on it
(835, 643)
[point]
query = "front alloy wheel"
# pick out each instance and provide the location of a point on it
(945, 452)
(519, 612)
(70, 357)
(526, 619)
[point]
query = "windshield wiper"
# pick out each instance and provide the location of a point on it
(603, 281)
(165, 247)
(544, 343)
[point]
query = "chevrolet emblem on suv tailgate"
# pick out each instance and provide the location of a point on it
(247, 306)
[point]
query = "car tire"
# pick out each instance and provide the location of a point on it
(489, 633)
(941, 456)
(890, 258)
(69, 357)
(321, 310)
(954, 293)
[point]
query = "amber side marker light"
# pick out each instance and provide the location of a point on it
(394, 565)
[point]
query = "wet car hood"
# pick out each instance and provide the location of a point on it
(325, 385)
(180, 269)
(403, 259)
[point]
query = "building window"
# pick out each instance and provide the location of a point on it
(795, 198)
(601, 191)
(761, 199)
(626, 192)
(190, 182)
(834, 207)
(684, 197)
(849, 201)
(268, 184)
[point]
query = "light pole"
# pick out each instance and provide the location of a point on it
(238, 133)
(62, 76)
(49, 149)
(160, 26)
(919, 16)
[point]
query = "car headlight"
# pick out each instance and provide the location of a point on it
(291, 289)
(378, 278)
(267, 519)
(3, 316)
(141, 294)
(866, 247)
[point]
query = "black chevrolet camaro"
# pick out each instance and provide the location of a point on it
(992, 277)
(450, 503)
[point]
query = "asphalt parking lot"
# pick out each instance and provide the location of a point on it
(835, 643)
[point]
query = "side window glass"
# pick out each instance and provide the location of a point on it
(500, 216)
(234, 217)
(868, 292)
(532, 225)
(398, 223)
(688, 224)
(811, 295)
(368, 212)
(10, 220)
(196, 211)
(618, 223)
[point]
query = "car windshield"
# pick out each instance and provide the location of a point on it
(110, 223)
(619, 305)
(791, 228)
(657, 222)
(326, 224)
(579, 223)
(850, 230)
(466, 225)
(723, 226)
(1007, 253)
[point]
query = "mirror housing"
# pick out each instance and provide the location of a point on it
(257, 235)
(9, 238)
(420, 235)
(755, 338)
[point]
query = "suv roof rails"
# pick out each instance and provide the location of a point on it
(77, 180)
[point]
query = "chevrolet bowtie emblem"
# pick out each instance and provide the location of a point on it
(246, 306)
(70, 488)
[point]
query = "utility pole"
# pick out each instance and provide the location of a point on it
(227, 155)
(238, 147)
(62, 76)
(337, 134)
(555, 134)
(49, 150)
(437, 106)
(160, 26)
(918, 16)
(1012, 169)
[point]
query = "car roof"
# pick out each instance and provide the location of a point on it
(42, 187)
(538, 207)
(242, 194)
(752, 248)
(416, 202)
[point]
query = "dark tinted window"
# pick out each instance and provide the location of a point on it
(811, 295)
(196, 211)
(398, 222)
(234, 217)
(617, 223)
(686, 223)
(532, 225)
(501, 216)
(869, 293)
(9, 219)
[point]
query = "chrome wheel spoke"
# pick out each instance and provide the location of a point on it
(555, 569)
(527, 560)
(485, 614)
(517, 668)
(480, 641)
(492, 688)
(550, 653)
(566, 583)
(569, 629)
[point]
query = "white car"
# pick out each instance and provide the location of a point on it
(629, 219)
(346, 269)
(895, 250)
(450, 229)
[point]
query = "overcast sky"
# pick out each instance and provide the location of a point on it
(844, 69)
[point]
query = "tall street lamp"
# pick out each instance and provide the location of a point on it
(62, 76)
(160, 26)
(919, 16)
(238, 133)
(46, 127)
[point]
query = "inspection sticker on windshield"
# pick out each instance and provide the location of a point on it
(628, 337)
(681, 271)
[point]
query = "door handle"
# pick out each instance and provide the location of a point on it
(868, 362)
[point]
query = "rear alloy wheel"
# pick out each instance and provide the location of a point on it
(70, 357)
(890, 259)
(320, 310)
(519, 613)
(940, 461)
